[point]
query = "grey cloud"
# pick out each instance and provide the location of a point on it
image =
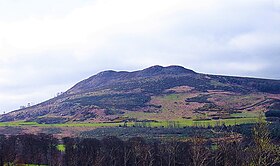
(207, 41)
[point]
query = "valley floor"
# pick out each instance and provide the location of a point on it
(75, 129)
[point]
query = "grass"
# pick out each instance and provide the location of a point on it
(245, 115)
(175, 123)
(172, 97)
(61, 147)
(17, 123)
(202, 123)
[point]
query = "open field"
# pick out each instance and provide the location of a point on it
(75, 129)
(177, 123)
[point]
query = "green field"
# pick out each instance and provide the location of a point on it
(177, 123)
(246, 115)
(61, 147)
(202, 123)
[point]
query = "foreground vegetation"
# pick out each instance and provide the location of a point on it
(221, 145)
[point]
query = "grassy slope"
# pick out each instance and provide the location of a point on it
(172, 112)
(175, 106)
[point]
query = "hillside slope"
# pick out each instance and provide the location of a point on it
(155, 93)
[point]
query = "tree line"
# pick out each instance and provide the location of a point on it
(29, 149)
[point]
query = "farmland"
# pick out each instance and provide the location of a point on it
(174, 124)
(75, 129)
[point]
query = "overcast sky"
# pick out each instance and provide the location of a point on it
(46, 46)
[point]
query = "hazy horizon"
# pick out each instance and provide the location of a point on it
(48, 46)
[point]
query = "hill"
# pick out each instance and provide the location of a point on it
(155, 93)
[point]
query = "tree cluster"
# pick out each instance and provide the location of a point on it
(194, 152)
(29, 149)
